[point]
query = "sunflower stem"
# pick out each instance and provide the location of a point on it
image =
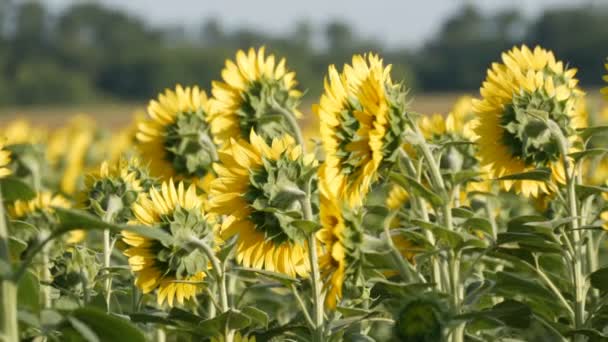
(404, 271)
(293, 123)
(114, 205)
(407, 162)
(220, 275)
(577, 267)
(295, 293)
(9, 329)
(315, 277)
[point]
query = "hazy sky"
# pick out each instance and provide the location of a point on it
(396, 22)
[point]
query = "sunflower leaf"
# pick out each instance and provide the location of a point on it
(599, 279)
(14, 189)
(414, 186)
(588, 132)
(592, 152)
(537, 175)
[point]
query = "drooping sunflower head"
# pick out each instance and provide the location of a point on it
(36, 213)
(260, 188)
(165, 265)
(175, 138)
(114, 188)
(519, 96)
(341, 237)
(253, 91)
(362, 117)
(5, 160)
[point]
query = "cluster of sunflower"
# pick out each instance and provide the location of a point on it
(212, 218)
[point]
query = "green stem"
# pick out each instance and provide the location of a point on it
(293, 123)
(407, 162)
(295, 293)
(552, 286)
(404, 270)
(9, 329)
(315, 276)
(578, 277)
(107, 253)
(220, 275)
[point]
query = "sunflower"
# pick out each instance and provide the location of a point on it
(397, 199)
(251, 89)
(175, 138)
(5, 160)
(341, 237)
(175, 272)
(123, 180)
(512, 139)
(362, 119)
(259, 188)
(38, 212)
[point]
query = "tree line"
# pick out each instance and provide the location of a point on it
(92, 53)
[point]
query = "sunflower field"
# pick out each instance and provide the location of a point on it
(226, 215)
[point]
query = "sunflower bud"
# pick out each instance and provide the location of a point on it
(111, 192)
(420, 320)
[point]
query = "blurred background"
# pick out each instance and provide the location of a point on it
(60, 57)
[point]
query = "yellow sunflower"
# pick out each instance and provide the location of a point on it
(37, 212)
(175, 138)
(259, 188)
(5, 160)
(511, 138)
(252, 86)
(341, 237)
(124, 180)
(176, 273)
(361, 118)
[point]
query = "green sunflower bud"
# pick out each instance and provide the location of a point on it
(420, 320)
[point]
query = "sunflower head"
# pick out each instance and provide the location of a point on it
(164, 265)
(21, 131)
(260, 188)
(341, 237)
(36, 213)
(421, 319)
(114, 188)
(255, 88)
(175, 138)
(362, 118)
(519, 96)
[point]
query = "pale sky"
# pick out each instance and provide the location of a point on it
(394, 22)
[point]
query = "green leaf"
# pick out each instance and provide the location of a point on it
(446, 236)
(588, 132)
(462, 212)
(462, 177)
(14, 189)
(215, 326)
(107, 327)
(537, 175)
(478, 223)
(416, 188)
(28, 292)
(593, 334)
(592, 152)
(374, 245)
(71, 219)
(584, 191)
(308, 227)
(511, 312)
(84, 331)
(257, 316)
(284, 279)
(599, 279)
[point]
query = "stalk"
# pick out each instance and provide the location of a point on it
(425, 217)
(453, 258)
(578, 277)
(220, 274)
(315, 276)
(9, 329)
